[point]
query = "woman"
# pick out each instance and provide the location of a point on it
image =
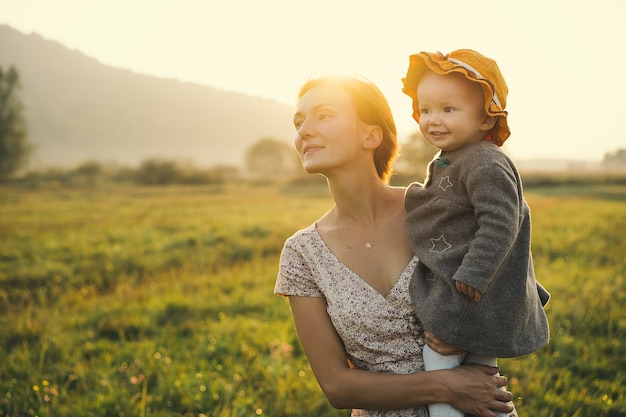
(347, 275)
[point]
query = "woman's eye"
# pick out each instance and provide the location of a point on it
(323, 116)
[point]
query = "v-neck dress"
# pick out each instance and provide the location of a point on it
(380, 333)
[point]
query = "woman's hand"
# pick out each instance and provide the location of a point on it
(469, 388)
(476, 390)
(440, 346)
(476, 387)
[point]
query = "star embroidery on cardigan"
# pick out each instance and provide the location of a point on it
(445, 183)
(439, 245)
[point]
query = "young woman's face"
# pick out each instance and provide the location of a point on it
(329, 132)
(452, 111)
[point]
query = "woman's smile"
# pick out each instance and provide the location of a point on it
(310, 149)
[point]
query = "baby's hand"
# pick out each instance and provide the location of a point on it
(471, 292)
(440, 346)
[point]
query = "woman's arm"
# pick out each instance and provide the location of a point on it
(468, 388)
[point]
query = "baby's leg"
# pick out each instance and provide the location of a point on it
(483, 360)
(434, 361)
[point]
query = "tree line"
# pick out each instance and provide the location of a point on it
(268, 159)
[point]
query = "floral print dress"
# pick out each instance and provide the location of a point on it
(380, 333)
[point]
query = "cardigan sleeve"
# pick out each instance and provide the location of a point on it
(495, 193)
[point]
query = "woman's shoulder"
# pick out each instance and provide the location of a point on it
(303, 235)
(398, 190)
(296, 275)
(396, 193)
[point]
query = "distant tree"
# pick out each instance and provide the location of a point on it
(223, 173)
(158, 171)
(615, 159)
(271, 158)
(14, 145)
(414, 157)
(90, 171)
(218, 174)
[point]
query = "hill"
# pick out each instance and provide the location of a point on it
(79, 109)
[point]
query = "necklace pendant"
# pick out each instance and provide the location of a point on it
(368, 245)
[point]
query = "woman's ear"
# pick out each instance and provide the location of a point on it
(374, 137)
(488, 122)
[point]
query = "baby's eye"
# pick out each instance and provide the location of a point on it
(448, 109)
(423, 111)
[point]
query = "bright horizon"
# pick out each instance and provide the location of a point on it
(558, 57)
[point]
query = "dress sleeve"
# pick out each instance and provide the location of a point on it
(295, 274)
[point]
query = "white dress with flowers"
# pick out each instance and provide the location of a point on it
(380, 333)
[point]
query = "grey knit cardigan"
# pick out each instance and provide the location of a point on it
(470, 222)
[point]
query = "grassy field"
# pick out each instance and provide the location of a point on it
(158, 302)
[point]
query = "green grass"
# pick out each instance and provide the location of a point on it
(578, 245)
(158, 302)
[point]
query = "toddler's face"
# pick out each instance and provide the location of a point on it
(452, 111)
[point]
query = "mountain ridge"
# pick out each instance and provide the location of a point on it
(79, 109)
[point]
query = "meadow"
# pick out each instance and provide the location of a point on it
(157, 301)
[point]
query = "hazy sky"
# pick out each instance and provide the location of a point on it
(563, 59)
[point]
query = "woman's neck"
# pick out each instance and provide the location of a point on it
(359, 201)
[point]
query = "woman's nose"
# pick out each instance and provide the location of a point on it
(304, 130)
